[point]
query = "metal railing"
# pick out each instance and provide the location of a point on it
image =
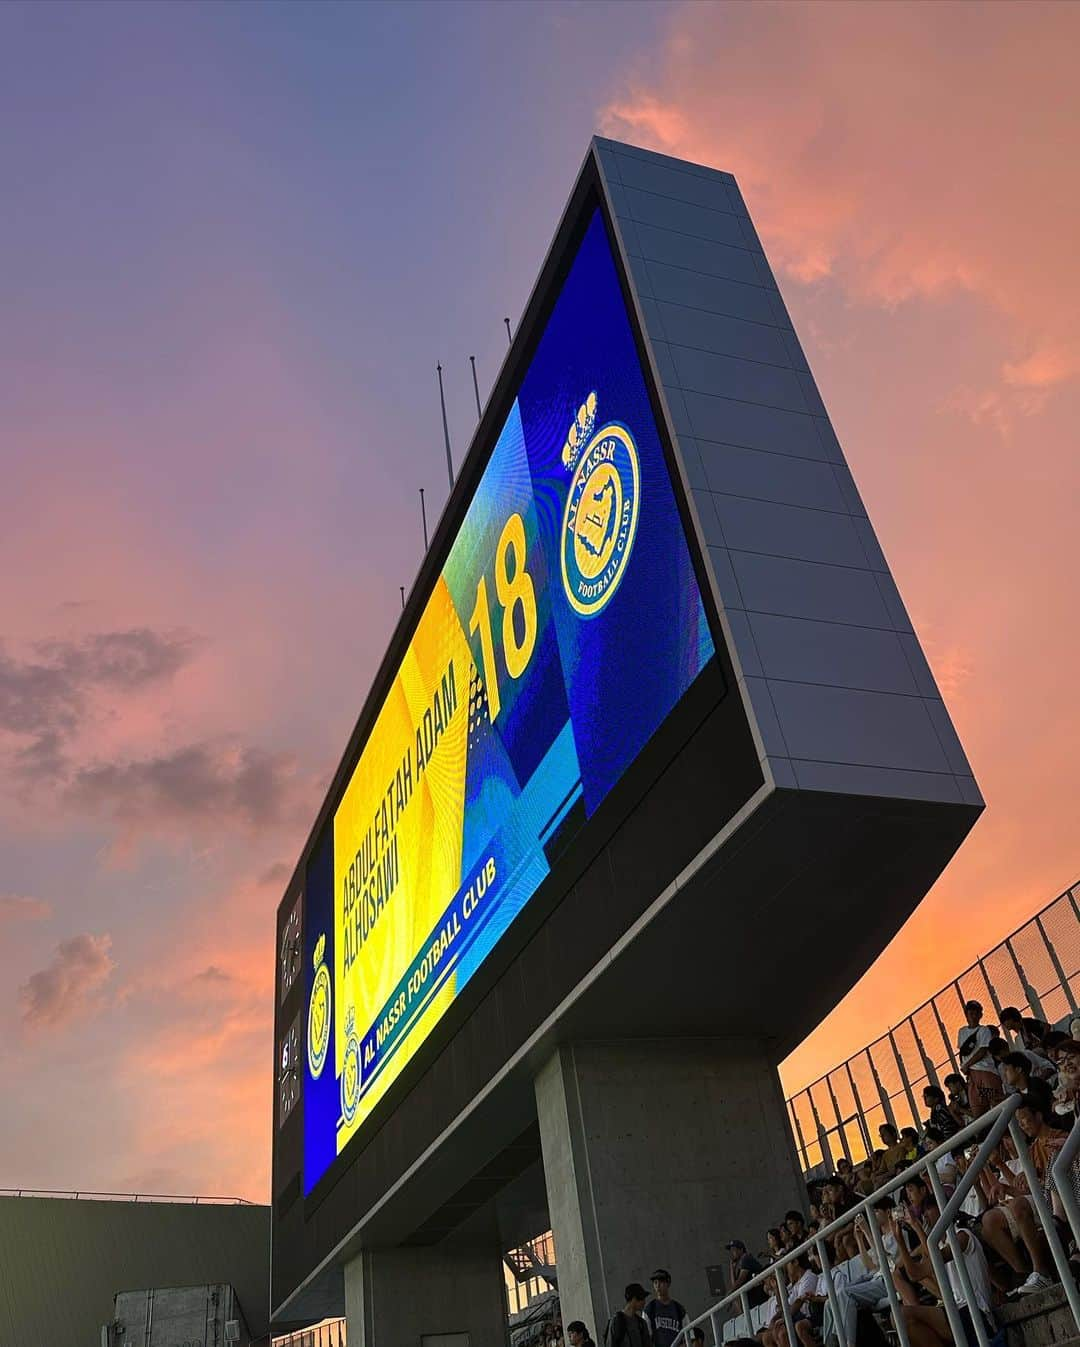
(990, 1130)
(330, 1333)
(1037, 969)
(88, 1195)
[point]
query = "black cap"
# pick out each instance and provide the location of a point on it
(661, 1275)
(635, 1291)
(735, 1244)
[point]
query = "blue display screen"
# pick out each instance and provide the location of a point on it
(564, 627)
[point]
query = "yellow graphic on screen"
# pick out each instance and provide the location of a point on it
(318, 1035)
(397, 849)
(602, 505)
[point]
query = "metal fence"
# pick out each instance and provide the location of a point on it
(89, 1196)
(1037, 969)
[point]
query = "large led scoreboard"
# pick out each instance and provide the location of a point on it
(559, 649)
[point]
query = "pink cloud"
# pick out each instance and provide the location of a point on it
(908, 152)
(69, 985)
(15, 907)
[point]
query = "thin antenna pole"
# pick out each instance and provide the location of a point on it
(509, 338)
(476, 386)
(423, 517)
(445, 430)
(402, 588)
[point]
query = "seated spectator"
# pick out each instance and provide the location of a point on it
(795, 1226)
(1031, 1032)
(894, 1147)
(775, 1238)
(909, 1138)
(1013, 1223)
(865, 1182)
(835, 1200)
(1017, 1076)
(1067, 1094)
(846, 1170)
(940, 1116)
(804, 1283)
(578, 1335)
(743, 1267)
(944, 1164)
(928, 1325)
(957, 1099)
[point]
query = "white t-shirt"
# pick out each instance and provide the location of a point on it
(805, 1286)
(977, 1270)
(968, 1039)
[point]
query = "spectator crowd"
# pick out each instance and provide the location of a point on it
(1001, 1241)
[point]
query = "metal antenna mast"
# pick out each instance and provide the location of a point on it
(445, 429)
(476, 386)
(509, 338)
(423, 517)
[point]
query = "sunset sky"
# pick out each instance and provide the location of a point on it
(234, 241)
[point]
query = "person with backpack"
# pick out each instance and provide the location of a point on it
(628, 1328)
(666, 1316)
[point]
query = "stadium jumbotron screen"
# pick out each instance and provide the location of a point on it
(565, 625)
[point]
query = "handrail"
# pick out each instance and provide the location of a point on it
(1062, 1180)
(995, 1122)
(83, 1193)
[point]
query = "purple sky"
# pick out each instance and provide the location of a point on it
(234, 241)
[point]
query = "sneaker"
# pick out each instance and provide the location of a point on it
(1036, 1282)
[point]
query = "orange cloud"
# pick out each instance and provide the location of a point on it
(906, 151)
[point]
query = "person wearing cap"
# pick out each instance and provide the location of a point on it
(627, 1327)
(578, 1335)
(666, 1316)
(744, 1266)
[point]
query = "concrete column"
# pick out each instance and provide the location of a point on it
(656, 1153)
(426, 1297)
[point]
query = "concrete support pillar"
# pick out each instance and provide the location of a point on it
(658, 1152)
(427, 1297)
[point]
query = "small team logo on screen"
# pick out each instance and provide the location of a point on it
(318, 1023)
(601, 514)
(350, 1070)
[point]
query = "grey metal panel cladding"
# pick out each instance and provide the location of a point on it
(831, 668)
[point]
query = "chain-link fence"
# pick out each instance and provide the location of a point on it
(1037, 969)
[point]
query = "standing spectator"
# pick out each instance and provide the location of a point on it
(666, 1316)
(984, 1083)
(941, 1118)
(579, 1335)
(627, 1327)
(744, 1266)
